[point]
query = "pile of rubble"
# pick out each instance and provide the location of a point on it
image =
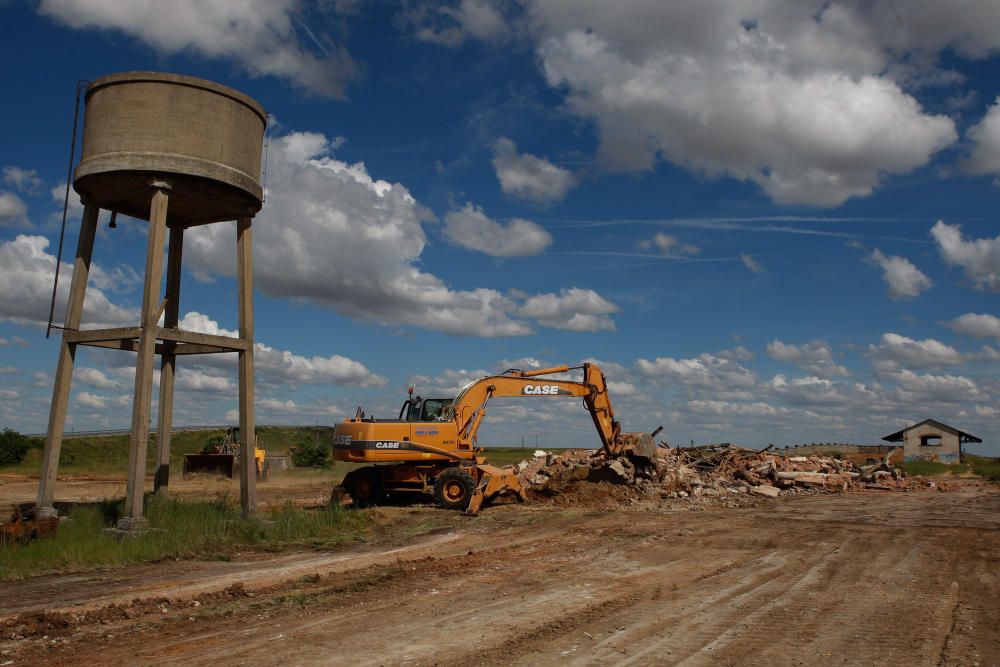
(710, 471)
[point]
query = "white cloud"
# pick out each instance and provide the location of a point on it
(95, 378)
(282, 366)
(707, 371)
(86, 399)
(979, 258)
(752, 264)
(201, 323)
(730, 408)
(987, 411)
(189, 379)
(791, 96)
(573, 309)
(815, 357)
(451, 25)
(333, 235)
(621, 388)
(977, 325)
(74, 205)
(895, 351)
(264, 38)
(985, 137)
(274, 405)
(529, 177)
(448, 383)
(13, 211)
(667, 245)
(22, 180)
(27, 270)
(816, 391)
(904, 279)
(928, 387)
(470, 228)
(8, 370)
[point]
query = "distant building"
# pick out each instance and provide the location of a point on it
(932, 441)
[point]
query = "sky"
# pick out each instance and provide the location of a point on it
(768, 222)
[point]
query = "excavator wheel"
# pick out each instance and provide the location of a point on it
(365, 487)
(453, 489)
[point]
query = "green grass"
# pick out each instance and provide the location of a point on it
(108, 454)
(930, 468)
(987, 467)
(190, 530)
(502, 456)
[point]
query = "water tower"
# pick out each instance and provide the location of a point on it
(179, 152)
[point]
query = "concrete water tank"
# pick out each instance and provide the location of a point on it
(204, 139)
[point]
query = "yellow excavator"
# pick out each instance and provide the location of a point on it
(432, 447)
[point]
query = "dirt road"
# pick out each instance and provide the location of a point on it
(893, 579)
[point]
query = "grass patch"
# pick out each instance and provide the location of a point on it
(930, 468)
(108, 454)
(191, 529)
(985, 466)
(502, 456)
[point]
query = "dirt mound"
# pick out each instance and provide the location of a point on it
(714, 475)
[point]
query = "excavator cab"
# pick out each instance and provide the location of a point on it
(416, 409)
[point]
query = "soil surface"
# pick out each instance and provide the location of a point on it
(857, 579)
(300, 487)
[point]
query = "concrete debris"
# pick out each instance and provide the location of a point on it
(703, 474)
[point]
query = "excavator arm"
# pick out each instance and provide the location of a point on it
(469, 406)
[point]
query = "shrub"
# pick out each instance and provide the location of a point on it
(311, 455)
(14, 447)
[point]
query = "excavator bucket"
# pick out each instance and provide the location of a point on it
(213, 464)
(494, 482)
(638, 444)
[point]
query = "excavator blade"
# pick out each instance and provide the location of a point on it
(637, 444)
(493, 482)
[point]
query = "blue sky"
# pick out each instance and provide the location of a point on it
(768, 223)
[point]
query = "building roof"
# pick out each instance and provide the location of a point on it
(962, 435)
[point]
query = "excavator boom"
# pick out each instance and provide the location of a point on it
(469, 406)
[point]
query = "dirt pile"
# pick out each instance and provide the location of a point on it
(722, 472)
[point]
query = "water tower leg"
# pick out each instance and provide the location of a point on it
(64, 369)
(139, 440)
(165, 413)
(248, 435)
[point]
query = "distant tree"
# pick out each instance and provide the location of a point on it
(14, 447)
(308, 454)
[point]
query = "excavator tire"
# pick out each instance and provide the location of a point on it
(365, 486)
(453, 489)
